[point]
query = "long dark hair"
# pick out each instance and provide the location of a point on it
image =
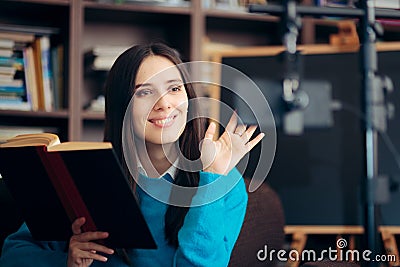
(119, 91)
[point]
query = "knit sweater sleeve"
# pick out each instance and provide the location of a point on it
(210, 231)
(20, 249)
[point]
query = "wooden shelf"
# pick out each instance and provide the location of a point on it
(239, 15)
(156, 17)
(46, 2)
(159, 9)
(95, 116)
(61, 114)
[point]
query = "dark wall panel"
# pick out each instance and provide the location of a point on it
(319, 174)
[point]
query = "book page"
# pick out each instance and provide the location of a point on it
(69, 146)
(38, 139)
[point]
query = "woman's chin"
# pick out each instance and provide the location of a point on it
(163, 140)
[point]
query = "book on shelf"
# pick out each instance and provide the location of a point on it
(13, 96)
(12, 83)
(102, 57)
(41, 50)
(391, 4)
(41, 67)
(6, 43)
(7, 70)
(12, 86)
(97, 105)
(17, 37)
(31, 83)
(13, 61)
(6, 52)
(12, 90)
(60, 182)
(6, 77)
(103, 63)
(108, 50)
(166, 3)
(28, 29)
(57, 67)
(14, 104)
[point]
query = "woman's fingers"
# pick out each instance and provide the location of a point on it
(210, 131)
(78, 236)
(94, 256)
(77, 224)
(82, 254)
(229, 148)
(88, 236)
(249, 133)
(82, 251)
(240, 129)
(82, 248)
(255, 141)
(231, 126)
(92, 247)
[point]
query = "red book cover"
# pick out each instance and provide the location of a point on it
(54, 185)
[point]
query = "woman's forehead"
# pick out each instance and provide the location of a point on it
(156, 69)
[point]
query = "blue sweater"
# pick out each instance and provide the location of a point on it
(206, 238)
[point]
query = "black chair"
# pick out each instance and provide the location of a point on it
(263, 225)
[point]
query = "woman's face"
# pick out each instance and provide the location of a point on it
(160, 102)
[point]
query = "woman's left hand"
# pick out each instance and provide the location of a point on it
(222, 155)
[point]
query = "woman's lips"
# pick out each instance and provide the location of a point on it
(163, 122)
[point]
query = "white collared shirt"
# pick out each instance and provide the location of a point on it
(171, 170)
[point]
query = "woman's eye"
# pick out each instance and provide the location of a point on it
(176, 88)
(143, 92)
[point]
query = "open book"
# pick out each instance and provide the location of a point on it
(54, 183)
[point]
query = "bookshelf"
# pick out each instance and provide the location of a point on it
(83, 24)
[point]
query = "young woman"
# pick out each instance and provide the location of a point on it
(148, 83)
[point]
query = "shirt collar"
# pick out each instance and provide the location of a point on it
(171, 170)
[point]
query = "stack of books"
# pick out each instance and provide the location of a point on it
(392, 4)
(102, 57)
(13, 94)
(30, 69)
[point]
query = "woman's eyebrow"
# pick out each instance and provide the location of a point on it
(174, 81)
(150, 85)
(142, 84)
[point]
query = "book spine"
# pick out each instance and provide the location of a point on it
(66, 189)
(47, 76)
(38, 72)
(30, 75)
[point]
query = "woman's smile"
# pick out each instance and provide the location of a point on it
(163, 122)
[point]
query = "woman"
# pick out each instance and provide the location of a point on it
(147, 83)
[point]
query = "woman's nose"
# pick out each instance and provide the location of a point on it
(164, 102)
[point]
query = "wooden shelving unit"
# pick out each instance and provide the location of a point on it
(62, 114)
(84, 23)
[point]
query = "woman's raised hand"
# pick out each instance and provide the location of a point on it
(222, 155)
(82, 250)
